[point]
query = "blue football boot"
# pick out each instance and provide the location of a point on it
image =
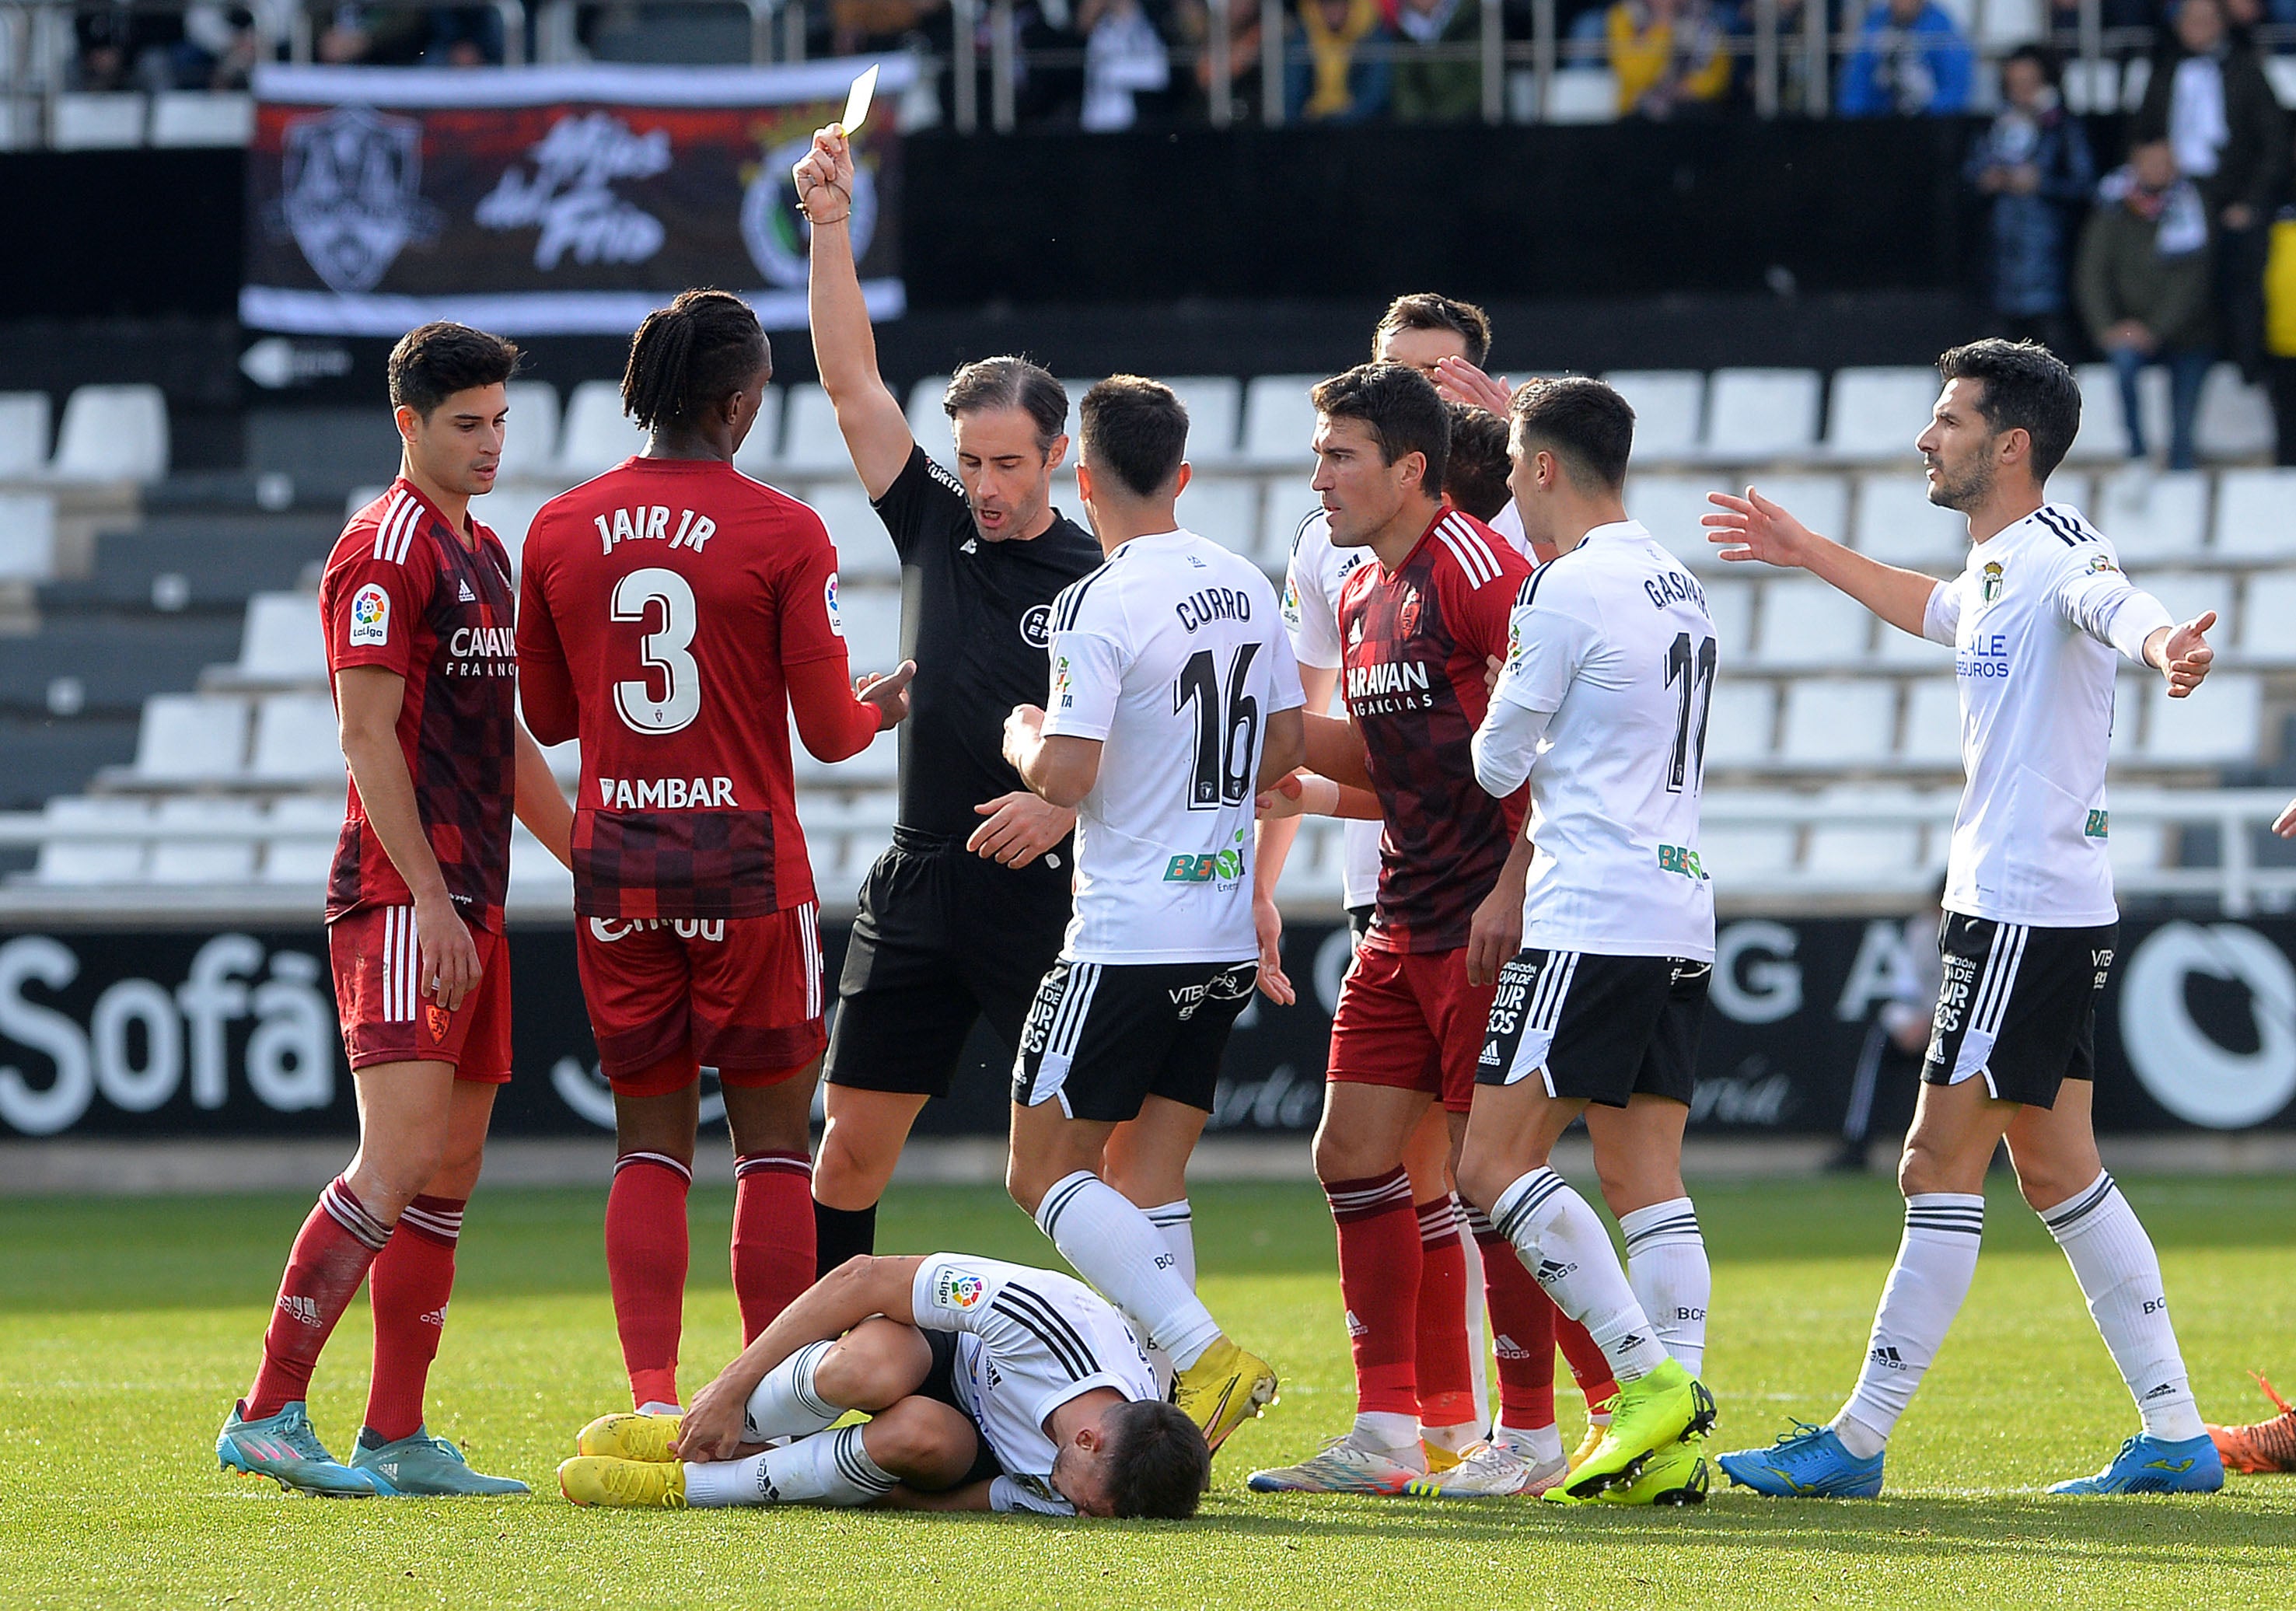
(1808, 1462)
(2151, 1465)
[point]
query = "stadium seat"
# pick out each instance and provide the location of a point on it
(1896, 524)
(1820, 502)
(300, 848)
(1932, 723)
(201, 118)
(2093, 87)
(2103, 435)
(2281, 70)
(2136, 78)
(565, 760)
(1874, 414)
(1284, 501)
(282, 641)
(92, 860)
(1837, 721)
(1225, 509)
(1744, 850)
(864, 554)
(1669, 508)
(509, 511)
(757, 457)
(873, 767)
(2256, 514)
(1807, 622)
(1757, 416)
(2137, 847)
(191, 738)
(1867, 854)
(530, 433)
(28, 537)
(2149, 515)
(598, 435)
(1739, 723)
(1279, 422)
(1215, 406)
(1669, 406)
(2235, 418)
(2187, 593)
(2219, 726)
(296, 740)
(2003, 25)
(1898, 650)
(872, 618)
(112, 433)
(2266, 616)
(1583, 95)
(811, 442)
(23, 433)
(928, 421)
(96, 122)
(203, 860)
(1730, 607)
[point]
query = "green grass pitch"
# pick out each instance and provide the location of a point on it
(128, 1327)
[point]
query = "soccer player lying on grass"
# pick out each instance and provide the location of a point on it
(989, 1386)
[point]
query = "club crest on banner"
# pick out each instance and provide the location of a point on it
(351, 186)
(776, 233)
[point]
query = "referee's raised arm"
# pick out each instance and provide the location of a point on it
(876, 430)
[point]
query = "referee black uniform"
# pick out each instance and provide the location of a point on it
(945, 936)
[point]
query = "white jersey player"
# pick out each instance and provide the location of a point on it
(1174, 701)
(2039, 619)
(989, 1386)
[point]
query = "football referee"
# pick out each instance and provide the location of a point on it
(965, 913)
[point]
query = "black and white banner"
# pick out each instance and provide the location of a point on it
(173, 1032)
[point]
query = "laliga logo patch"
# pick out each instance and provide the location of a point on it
(1037, 626)
(370, 617)
(956, 1290)
(829, 603)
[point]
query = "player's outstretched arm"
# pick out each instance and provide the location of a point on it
(1284, 748)
(876, 430)
(1753, 528)
(540, 803)
(1335, 750)
(2182, 654)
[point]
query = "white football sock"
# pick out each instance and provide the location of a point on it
(660, 1407)
(1117, 1249)
(1177, 1223)
(1540, 1445)
(1564, 1246)
(828, 1468)
(1390, 1431)
(1665, 1265)
(2119, 1275)
(786, 1404)
(1936, 1260)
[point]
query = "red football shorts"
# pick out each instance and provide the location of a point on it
(387, 1018)
(667, 995)
(1411, 1020)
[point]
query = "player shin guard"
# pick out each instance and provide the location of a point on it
(1443, 1369)
(1116, 1248)
(1935, 1261)
(1568, 1253)
(1176, 1221)
(786, 1404)
(830, 1469)
(331, 1255)
(1522, 1331)
(2119, 1275)
(413, 1277)
(1380, 1267)
(1665, 1265)
(647, 1253)
(840, 1234)
(773, 1235)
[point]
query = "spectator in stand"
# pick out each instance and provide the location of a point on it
(2209, 100)
(1124, 58)
(1668, 57)
(2034, 162)
(1194, 18)
(1911, 61)
(2144, 285)
(2280, 332)
(1432, 86)
(1335, 71)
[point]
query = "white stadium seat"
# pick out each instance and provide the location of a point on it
(2235, 418)
(1932, 723)
(23, 433)
(2187, 593)
(1897, 523)
(1279, 422)
(1739, 723)
(203, 861)
(2268, 617)
(1899, 651)
(1874, 414)
(1730, 607)
(112, 433)
(1869, 854)
(92, 860)
(300, 848)
(191, 738)
(1225, 509)
(1215, 406)
(2256, 514)
(1284, 501)
(296, 740)
(1669, 507)
(1756, 415)
(282, 640)
(1807, 622)
(1729, 850)
(598, 435)
(2150, 514)
(2137, 847)
(201, 118)
(2003, 25)
(2103, 434)
(872, 618)
(811, 442)
(96, 122)
(759, 453)
(530, 432)
(509, 510)
(1836, 721)
(28, 537)
(864, 553)
(2217, 726)
(1583, 95)
(873, 767)
(928, 421)
(1669, 406)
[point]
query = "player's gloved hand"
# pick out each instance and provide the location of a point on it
(1460, 382)
(824, 176)
(1020, 827)
(1754, 527)
(889, 691)
(1267, 923)
(715, 1428)
(449, 956)
(2183, 653)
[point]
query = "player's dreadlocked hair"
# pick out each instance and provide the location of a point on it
(696, 352)
(1158, 1465)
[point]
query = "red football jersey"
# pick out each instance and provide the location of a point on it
(1414, 647)
(657, 606)
(403, 591)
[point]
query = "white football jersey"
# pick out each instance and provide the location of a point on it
(1318, 569)
(1173, 656)
(1028, 1341)
(2028, 618)
(1613, 638)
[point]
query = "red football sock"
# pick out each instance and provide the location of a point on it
(331, 1257)
(1523, 1330)
(645, 1266)
(1589, 1368)
(412, 1281)
(1379, 1278)
(773, 1235)
(1445, 1368)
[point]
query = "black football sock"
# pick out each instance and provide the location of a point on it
(840, 1234)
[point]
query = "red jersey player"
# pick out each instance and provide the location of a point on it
(416, 607)
(673, 613)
